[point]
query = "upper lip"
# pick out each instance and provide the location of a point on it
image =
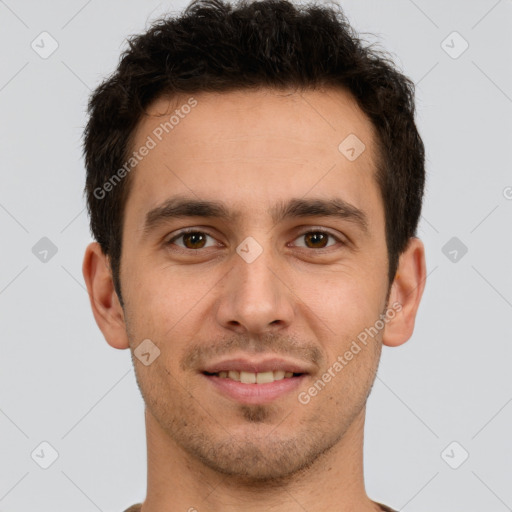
(256, 366)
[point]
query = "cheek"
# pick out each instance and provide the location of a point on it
(160, 297)
(346, 298)
(345, 309)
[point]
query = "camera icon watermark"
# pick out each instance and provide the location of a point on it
(454, 249)
(249, 249)
(44, 455)
(44, 250)
(454, 45)
(351, 147)
(146, 352)
(454, 455)
(44, 45)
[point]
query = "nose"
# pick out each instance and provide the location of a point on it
(256, 297)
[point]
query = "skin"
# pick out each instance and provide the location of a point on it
(298, 299)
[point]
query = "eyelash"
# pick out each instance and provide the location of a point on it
(196, 231)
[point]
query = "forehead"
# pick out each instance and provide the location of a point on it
(253, 148)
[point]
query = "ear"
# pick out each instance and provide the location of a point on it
(105, 304)
(406, 290)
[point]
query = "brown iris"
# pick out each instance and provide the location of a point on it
(316, 237)
(197, 240)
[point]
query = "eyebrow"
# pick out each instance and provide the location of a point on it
(181, 207)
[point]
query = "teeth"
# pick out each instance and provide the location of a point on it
(263, 377)
(247, 378)
(234, 375)
(255, 378)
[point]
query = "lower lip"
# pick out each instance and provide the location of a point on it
(255, 393)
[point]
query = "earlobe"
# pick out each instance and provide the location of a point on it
(406, 292)
(105, 305)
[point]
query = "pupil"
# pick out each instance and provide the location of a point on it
(317, 237)
(194, 238)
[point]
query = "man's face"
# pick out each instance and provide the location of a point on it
(211, 300)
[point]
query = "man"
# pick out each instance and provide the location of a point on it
(254, 181)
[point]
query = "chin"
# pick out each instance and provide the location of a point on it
(267, 461)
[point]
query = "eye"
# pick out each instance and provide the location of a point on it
(191, 239)
(317, 239)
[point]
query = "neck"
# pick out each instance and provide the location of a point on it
(177, 481)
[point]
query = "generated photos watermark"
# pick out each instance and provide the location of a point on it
(151, 142)
(305, 397)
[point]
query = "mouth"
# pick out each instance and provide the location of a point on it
(251, 382)
(253, 377)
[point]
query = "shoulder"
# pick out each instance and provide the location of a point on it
(134, 508)
(383, 507)
(137, 507)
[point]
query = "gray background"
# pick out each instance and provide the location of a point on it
(61, 383)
